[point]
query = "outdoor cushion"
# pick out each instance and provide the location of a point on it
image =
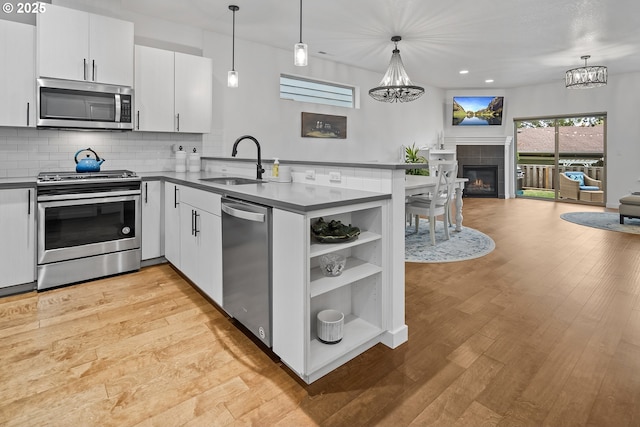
(577, 176)
(589, 188)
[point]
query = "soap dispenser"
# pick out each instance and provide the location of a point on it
(275, 169)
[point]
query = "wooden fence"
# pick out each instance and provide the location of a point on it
(542, 176)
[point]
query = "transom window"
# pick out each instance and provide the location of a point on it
(315, 91)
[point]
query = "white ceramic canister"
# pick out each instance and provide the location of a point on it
(194, 161)
(330, 326)
(284, 174)
(181, 160)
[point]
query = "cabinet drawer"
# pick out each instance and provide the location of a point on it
(201, 199)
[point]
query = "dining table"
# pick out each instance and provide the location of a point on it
(420, 184)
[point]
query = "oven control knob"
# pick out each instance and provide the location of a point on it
(126, 230)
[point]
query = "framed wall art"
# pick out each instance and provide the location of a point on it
(323, 126)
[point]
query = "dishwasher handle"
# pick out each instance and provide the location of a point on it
(241, 213)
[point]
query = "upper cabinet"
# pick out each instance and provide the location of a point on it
(17, 74)
(76, 45)
(193, 96)
(173, 91)
(154, 101)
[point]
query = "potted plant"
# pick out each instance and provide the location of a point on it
(412, 155)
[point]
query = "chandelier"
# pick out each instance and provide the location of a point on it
(395, 85)
(586, 77)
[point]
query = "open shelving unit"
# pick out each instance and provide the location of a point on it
(357, 292)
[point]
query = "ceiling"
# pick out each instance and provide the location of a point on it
(514, 42)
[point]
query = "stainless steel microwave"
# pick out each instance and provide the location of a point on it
(83, 105)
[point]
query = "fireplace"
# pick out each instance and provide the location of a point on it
(478, 157)
(483, 180)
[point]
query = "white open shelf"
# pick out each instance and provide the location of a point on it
(355, 269)
(317, 249)
(355, 333)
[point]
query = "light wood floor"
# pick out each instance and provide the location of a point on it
(544, 331)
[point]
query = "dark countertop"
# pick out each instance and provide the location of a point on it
(294, 197)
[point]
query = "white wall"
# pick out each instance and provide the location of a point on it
(618, 99)
(375, 131)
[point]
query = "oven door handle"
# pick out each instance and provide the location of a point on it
(81, 196)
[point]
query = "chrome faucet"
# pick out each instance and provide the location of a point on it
(235, 151)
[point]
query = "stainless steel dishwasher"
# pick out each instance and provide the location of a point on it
(246, 265)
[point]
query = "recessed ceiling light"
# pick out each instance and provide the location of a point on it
(464, 71)
(489, 81)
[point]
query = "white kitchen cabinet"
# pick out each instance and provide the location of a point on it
(172, 223)
(300, 290)
(193, 93)
(154, 89)
(152, 226)
(173, 91)
(18, 231)
(17, 74)
(193, 229)
(77, 45)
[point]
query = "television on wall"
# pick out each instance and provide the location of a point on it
(477, 110)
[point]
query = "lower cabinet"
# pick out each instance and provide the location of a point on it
(172, 223)
(301, 291)
(193, 236)
(18, 231)
(152, 226)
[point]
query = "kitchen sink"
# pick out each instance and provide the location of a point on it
(232, 180)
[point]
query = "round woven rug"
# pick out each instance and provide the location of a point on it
(461, 246)
(603, 220)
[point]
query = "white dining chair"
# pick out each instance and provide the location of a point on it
(436, 203)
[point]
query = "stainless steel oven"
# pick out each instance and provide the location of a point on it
(89, 226)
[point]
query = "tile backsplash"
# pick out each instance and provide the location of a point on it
(25, 152)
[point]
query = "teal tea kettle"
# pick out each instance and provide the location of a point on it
(88, 164)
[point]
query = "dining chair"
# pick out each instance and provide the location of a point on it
(436, 203)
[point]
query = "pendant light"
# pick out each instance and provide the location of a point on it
(395, 84)
(300, 55)
(232, 76)
(585, 77)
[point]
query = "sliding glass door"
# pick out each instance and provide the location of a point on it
(561, 158)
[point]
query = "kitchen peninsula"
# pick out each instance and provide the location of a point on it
(371, 290)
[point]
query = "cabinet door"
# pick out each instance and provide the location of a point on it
(193, 93)
(154, 96)
(18, 243)
(151, 219)
(63, 43)
(17, 74)
(201, 249)
(172, 223)
(111, 50)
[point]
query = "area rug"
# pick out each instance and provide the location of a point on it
(604, 220)
(463, 245)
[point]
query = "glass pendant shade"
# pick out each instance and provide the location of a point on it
(395, 85)
(586, 77)
(232, 78)
(300, 56)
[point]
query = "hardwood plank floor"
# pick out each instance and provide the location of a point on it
(544, 331)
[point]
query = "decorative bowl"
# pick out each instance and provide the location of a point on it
(330, 326)
(332, 265)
